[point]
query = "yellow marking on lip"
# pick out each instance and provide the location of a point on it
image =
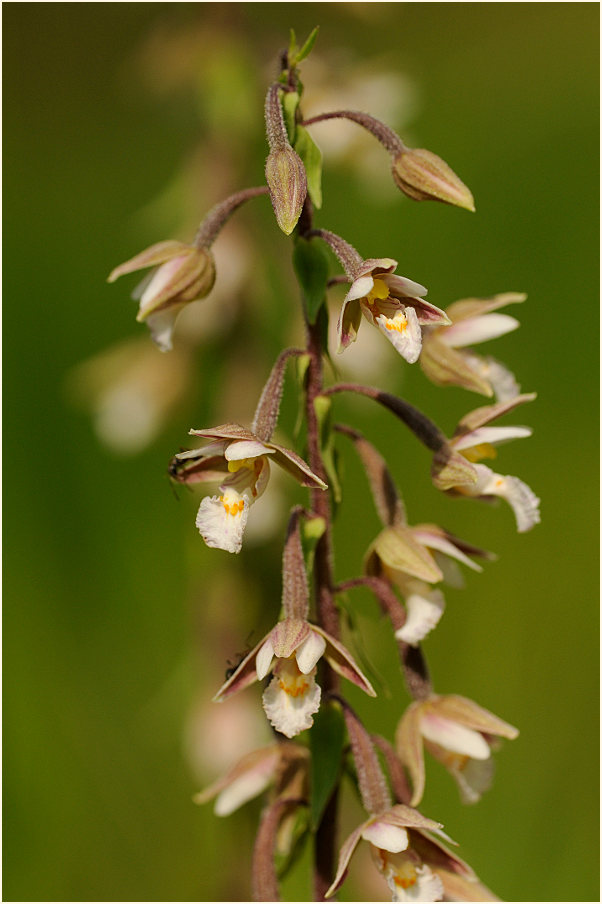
(399, 326)
(378, 292)
(297, 689)
(233, 508)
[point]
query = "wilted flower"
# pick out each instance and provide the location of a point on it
(392, 303)
(183, 273)
(475, 441)
(447, 360)
(291, 652)
(459, 734)
(243, 459)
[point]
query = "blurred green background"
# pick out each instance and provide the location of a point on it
(123, 123)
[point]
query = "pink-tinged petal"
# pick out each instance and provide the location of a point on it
(428, 314)
(260, 763)
(244, 675)
(288, 635)
(409, 818)
(348, 324)
(438, 540)
(478, 329)
(476, 307)
(310, 651)
(470, 714)
(386, 836)
(291, 699)
(221, 520)
(453, 736)
(409, 746)
(460, 888)
(402, 287)
(151, 257)
(165, 283)
(263, 661)
(491, 435)
(341, 660)
(433, 851)
(226, 431)
(359, 288)
(424, 611)
(347, 849)
(377, 266)
(482, 416)
(246, 448)
(297, 468)
(161, 326)
(403, 332)
(247, 786)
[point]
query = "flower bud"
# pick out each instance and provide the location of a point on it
(287, 181)
(424, 176)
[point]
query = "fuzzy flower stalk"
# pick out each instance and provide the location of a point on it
(308, 642)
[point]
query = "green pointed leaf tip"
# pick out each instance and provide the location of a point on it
(311, 266)
(290, 102)
(311, 155)
(327, 740)
(308, 46)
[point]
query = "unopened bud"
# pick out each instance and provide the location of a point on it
(287, 182)
(423, 176)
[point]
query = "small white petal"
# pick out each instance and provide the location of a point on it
(426, 885)
(263, 660)
(310, 651)
(522, 499)
(291, 699)
(246, 448)
(244, 788)
(502, 380)
(403, 332)
(360, 288)
(221, 520)
(492, 435)
(478, 329)
(161, 326)
(424, 612)
(386, 836)
(453, 736)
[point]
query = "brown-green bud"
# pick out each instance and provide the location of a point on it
(287, 182)
(423, 176)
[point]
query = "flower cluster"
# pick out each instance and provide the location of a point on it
(301, 659)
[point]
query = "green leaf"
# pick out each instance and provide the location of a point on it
(326, 739)
(311, 266)
(311, 155)
(322, 406)
(290, 102)
(308, 46)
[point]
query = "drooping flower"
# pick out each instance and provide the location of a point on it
(291, 651)
(240, 461)
(447, 359)
(183, 274)
(393, 304)
(457, 732)
(255, 772)
(475, 441)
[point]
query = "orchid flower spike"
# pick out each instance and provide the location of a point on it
(447, 360)
(456, 732)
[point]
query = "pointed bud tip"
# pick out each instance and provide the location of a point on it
(423, 176)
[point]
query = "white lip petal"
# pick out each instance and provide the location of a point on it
(478, 329)
(424, 612)
(403, 332)
(310, 651)
(521, 498)
(291, 713)
(220, 525)
(453, 736)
